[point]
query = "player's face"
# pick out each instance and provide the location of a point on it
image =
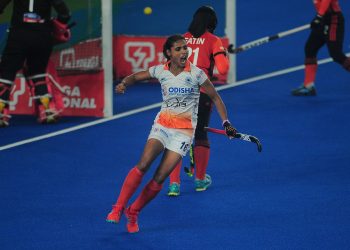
(179, 53)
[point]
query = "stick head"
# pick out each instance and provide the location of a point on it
(257, 142)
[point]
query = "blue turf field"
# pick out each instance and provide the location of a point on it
(55, 193)
(293, 195)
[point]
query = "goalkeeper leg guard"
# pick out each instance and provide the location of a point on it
(4, 114)
(5, 88)
(45, 104)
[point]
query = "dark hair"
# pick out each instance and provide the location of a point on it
(203, 19)
(170, 42)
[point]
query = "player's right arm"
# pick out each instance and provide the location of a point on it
(3, 4)
(221, 108)
(131, 79)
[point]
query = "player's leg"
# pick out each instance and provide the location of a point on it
(313, 44)
(153, 187)
(5, 89)
(176, 147)
(175, 180)
(133, 179)
(38, 54)
(335, 40)
(202, 145)
(11, 62)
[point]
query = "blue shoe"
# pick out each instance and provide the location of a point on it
(304, 91)
(174, 189)
(202, 185)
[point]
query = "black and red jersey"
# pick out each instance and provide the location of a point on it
(324, 6)
(203, 49)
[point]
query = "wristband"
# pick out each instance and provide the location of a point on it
(224, 121)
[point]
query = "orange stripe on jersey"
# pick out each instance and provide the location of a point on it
(187, 66)
(171, 120)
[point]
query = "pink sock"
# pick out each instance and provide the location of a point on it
(175, 174)
(131, 182)
(201, 158)
(148, 193)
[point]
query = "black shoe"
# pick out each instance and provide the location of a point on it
(304, 91)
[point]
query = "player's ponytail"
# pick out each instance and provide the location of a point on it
(203, 19)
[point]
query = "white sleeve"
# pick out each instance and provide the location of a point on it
(201, 77)
(154, 71)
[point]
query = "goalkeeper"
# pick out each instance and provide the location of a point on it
(29, 43)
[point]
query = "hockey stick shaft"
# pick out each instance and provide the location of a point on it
(240, 136)
(266, 39)
(189, 171)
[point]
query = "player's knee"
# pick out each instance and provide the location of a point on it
(160, 177)
(310, 60)
(143, 166)
(310, 50)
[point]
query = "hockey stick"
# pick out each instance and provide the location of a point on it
(189, 171)
(240, 136)
(266, 39)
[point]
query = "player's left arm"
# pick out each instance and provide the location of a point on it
(220, 57)
(220, 107)
(215, 97)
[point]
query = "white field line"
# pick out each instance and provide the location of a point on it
(152, 106)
